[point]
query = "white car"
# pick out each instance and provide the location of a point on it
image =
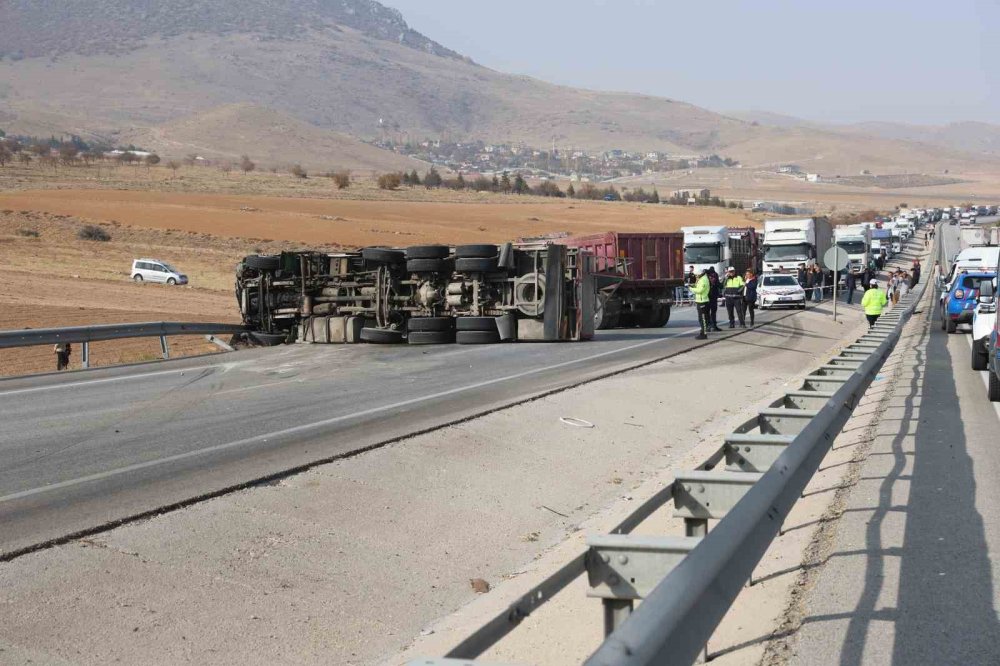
(983, 321)
(780, 290)
(154, 270)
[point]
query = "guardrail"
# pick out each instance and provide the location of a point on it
(86, 334)
(687, 584)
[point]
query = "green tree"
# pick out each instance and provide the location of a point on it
(432, 179)
(655, 197)
(571, 191)
(495, 184)
(460, 181)
(505, 186)
(414, 178)
(520, 185)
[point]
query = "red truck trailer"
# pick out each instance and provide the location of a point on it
(635, 274)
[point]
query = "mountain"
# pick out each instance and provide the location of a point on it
(129, 67)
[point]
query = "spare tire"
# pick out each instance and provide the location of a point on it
(425, 265)
(477, 337)
(381, 255)
(476, 251)
(477, 324)
(381, 336)
(431, 337)
(477, 265)
(262, 262)
(428, 252)
(423, 324)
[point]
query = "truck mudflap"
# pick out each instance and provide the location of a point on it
(428, 294)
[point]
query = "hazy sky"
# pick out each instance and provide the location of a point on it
(914, 61)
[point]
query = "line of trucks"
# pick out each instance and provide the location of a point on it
(552, 288)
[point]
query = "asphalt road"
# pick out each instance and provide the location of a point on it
(83, 450)
(912, 578)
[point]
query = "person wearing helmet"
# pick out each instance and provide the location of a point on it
(873, 302)
(732, 290)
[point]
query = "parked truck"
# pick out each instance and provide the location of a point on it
(856, 240)
(720, 248)
(979, 235)
(427, 294)
(882, 240)
(794, 242)
(635, 276)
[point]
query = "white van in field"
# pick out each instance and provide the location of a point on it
(154, 270)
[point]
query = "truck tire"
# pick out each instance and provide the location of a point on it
(427, 252)
(381, 336)
(944, 321)
(952, 325)
(647, 317)
(268, 339)
(381, 255)
(477, 265)
(430, 324)
(994, 390)
(664, 316)
(482, 324)
(601, 316)
(425, 265)
(980, 357)
(476, 251)
(431, 337)
(262, 262)
(477, 337)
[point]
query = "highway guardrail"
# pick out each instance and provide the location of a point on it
(750, 484)
(86, 334)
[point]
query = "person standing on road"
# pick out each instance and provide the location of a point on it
(873, 302)
(938, 274)
(714, 292)
(916, 273)
(904, 285)
(733, 293)
(701, 290)
(750, 294)
(63, 351)
(691, 279)
(801, 276)
(849, 286)
(808, 278)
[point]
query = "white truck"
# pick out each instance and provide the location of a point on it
(856, 240)
(719, 247)
(979, 235)
(790, 243)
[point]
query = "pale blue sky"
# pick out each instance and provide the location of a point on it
(842, 61)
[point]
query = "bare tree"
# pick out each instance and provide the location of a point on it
(173, 166)
(247, 164)
(390, 181)
(342, 179)
(5, 155)
(299, 172)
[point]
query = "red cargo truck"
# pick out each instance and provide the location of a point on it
(635, 274)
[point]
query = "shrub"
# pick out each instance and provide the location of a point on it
(389, 181)
(28, 233)
(342, 179)
(93, 233)
(548, 189)
(299, 172)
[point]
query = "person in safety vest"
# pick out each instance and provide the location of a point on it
(873, 302)
(700, 291)
(732, 290)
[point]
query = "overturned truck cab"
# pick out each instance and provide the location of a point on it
(426, 294)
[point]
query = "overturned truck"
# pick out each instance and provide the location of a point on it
(427, 294)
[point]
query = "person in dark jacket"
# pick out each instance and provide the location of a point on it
(850, 284)
(915, 273)
(809, 278)
(691, 279)
(714, 291)
(801, 275)
(750, 294)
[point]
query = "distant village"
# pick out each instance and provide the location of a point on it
(478, 157)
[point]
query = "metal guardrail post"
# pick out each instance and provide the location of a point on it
(86, 355)
(164, 347)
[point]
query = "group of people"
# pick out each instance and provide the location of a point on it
(900, 282)
(738, 292)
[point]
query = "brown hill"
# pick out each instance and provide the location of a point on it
(270, 137)
(352, 66)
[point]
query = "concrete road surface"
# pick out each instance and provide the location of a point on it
(914, 575)
(86, 449)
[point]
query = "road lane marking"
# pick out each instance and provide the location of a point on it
(325, 423)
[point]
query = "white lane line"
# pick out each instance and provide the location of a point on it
(985, 376)
(91, 382)
(324, 423)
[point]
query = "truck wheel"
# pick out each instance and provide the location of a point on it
(601, 317)
(477, 337)
(430, 324)
(476, 251)
(431, 337)
(262, 262)
(664, 317)
(952, 325)
(381, 255)
(477, 265)
(944, 321)
(425, 265)
(994, 391)
(381, 336)
(647, 317)
(482, 324)
(427, 252)
(980, 357)
(268, 339)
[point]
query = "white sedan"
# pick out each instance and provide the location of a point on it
(778, 290)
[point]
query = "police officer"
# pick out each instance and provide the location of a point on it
(700, 291)
(732, 290)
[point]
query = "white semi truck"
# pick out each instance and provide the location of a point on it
(720, 248)
(856, 240)
(793, 242)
